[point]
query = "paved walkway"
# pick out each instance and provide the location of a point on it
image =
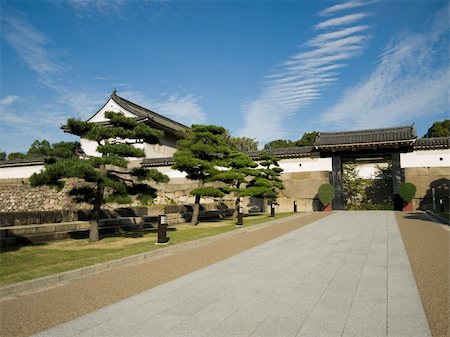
(345, 275)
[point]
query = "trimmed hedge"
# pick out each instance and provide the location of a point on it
(407, 191)
(326, 194)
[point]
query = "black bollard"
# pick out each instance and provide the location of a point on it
(272, 210)
(240, 217)
(162, 230)
(295, 206)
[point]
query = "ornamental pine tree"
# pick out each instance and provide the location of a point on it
(241, 169)
(200, 155)
(268, 182)
(109, 172)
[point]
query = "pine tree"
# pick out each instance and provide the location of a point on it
(241, 169)
(200, 155)
(268, 182)
(115, 141)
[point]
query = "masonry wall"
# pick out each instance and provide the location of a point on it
(17, 195)
(425, 179)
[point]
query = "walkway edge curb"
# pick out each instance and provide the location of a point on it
(53, 280)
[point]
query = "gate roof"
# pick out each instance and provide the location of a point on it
(371, 138)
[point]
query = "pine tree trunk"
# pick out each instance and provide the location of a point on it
(195, 211)
(96, 212)
(236, 208)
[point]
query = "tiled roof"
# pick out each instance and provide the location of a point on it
(155, 162)
(155, 119)
(292, 152)
(21, 162)
(363, 138)
(432, 143)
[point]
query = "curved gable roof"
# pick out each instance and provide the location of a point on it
(148, 116)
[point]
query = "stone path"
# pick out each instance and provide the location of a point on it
(345, 275)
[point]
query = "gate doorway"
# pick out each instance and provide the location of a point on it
(367, 184)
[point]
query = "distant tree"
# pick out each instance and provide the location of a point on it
(353, 184)
(56, 150)
(2, 155)
(307, 139)
(66, 149)
(39, 149)
(439, 129)
(16, 155)
(279, 144)
(268, 182)
(243, 144)
(200, 155)
(380, 190)
(108, 172)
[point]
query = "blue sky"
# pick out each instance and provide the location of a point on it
(262, 69)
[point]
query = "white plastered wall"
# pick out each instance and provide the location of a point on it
(305, 165)
(430, 158)
(165, 149)
(19, 172)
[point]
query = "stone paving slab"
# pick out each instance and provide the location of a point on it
(345, 275)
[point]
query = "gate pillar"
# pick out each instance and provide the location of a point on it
(337, 182)
(396, 181)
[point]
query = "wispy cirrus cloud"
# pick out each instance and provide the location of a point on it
(31, 45)
(341, 21)
(97, 6)
(303, 77)
(183, 108)
(411, 80)
(8, 100)
(343, 6)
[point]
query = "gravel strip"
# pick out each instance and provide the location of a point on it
(29, 313)
(428, 246)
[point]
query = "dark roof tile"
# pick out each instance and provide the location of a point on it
(385, 136)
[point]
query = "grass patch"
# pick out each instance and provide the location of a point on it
(38, 260)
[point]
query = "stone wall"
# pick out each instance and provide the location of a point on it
(301, 187)
(425, 179)
(17, 196)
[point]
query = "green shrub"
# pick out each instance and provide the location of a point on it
(118, 198)
(326, 194)
(372, 207)
(407, 191)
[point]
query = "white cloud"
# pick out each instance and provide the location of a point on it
(97, 6)
(302, 78)
(343, 6)
(411, 80)
(185, 109)
(341, 21)
(31, 45)
(8, 100)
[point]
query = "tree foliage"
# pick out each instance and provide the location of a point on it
(279, 144)
(200, 155)
(43, 149)
(439, 129)
(106, 173)
(243, 144)
(16, 156)
(267, 182)
(307, 139)
(354, 185)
